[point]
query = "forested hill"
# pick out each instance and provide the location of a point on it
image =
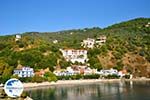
(127, 46)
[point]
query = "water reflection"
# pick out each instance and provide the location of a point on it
(98, 91)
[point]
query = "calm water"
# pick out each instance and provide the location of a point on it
(96, 91)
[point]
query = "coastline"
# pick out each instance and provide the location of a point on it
(76, 82)
(67, 82)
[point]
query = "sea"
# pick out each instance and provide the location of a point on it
(122, 90)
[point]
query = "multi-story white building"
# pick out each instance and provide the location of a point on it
(75, 55)
(24, 72)
(88, 43)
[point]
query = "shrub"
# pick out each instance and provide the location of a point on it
(24, 95)
(114, 76)
(127, 76)
(79, 76)
(93, 76)
(37, 79)
(50, 76)
(25, 79)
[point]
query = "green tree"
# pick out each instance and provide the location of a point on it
(37, 79)
(64, 64)
(2, 66)
(8, 71)
(31, 58)
(95, 63)
(50, 76)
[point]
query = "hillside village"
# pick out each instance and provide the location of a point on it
(75, 56)
(121, 49)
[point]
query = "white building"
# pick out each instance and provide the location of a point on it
(67, 72)
(100, 40)
(24, 72)
(88, 71)
(60, 73)
(55, 41)
(88, 43)
(148, 24)
(75, 55)
(108, 72)
(70, 70)
(18, 37)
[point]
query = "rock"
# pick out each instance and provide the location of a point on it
(23, 95)
(7, 98)
(28, 98)
(2, 94)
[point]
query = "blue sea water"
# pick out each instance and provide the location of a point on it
(94, 91)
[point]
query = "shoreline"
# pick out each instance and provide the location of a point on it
(76, 82)
(67, 82)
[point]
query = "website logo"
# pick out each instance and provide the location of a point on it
(13, 88)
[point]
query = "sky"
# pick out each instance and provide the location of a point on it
(18, 16)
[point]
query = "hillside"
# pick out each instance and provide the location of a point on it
(127, 46)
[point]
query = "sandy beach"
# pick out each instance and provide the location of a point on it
(66, 82)
(74, 82)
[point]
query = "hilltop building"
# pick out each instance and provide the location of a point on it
(18, 37)
(75, 55)
(88, 43)
(101, 40)
(55, 41)
(148, 24)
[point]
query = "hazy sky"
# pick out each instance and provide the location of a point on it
(54, 15)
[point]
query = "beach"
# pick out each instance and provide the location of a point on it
(66, 82)
(74, 82)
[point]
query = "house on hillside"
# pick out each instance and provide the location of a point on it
(64, 72)
(41, 72)
(88, 43)
(83, 69)
(148, 24)
(108, 72)
(101, 40)
(18, 37)
(24, 72)
(73, 55)
(70, 71)
(74, 70)
(55, 41)
(122, 72)
(79, 69)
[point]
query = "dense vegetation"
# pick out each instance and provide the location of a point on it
(127, 46)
